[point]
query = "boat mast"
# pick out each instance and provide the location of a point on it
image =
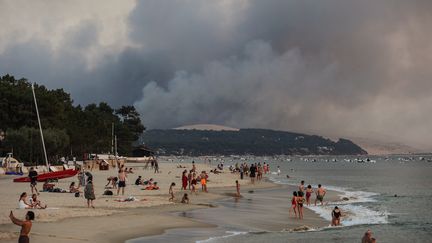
(40, 127)
(112, 138)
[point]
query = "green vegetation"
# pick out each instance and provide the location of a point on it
(68, 130)
(246, 141)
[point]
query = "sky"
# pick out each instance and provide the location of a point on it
(332, 67)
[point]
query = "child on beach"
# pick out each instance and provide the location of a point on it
(238, 188)
(36, 203)
(293, 204)
(309, 192)
(171, 192)
(204, 181)
(185, 199)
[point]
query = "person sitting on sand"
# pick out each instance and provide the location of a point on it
(36, 203)
(215, 171)
(152, 186)
(171, 192)
(185, 199)
(149, 182)
(72, 188)
(26, 226)
(320, 193)
(336, 216)
(293, 204)
(138, 181)
(22, 202)
(47, 186)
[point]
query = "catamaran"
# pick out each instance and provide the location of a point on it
(51, 175)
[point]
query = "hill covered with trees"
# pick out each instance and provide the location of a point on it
(245, 141)
(69, 130)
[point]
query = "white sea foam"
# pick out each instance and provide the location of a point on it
(355, 210)
(229, 234)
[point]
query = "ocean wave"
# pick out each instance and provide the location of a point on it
(355, 210)
(229, 234)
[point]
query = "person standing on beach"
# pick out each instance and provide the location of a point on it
(320, 193)
(203, 177)
(122, 180)
(194, 183)
(171, 192)
(89, 193)
(252, 171)
(156, 167)
(301, 186)
(238, 188)
(300, 201)
(278, 170)
(336, 216)
(189, 178)
(33, 180)
(241, 171)
(26, 226)
(293, 204)
(184, 180)
(309, 191)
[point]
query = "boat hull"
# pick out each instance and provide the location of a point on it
(49, 176)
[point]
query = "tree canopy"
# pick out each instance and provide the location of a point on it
(69, 130)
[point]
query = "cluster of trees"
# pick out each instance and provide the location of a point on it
(246, 141)
(69, 130)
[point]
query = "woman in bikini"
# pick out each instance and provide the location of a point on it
(300, 201)
(309, 192)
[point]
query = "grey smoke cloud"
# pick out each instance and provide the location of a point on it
(337, 68)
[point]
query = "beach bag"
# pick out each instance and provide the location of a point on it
(77, 194)
(108, 193)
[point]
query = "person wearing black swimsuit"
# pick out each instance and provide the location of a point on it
(336, 215)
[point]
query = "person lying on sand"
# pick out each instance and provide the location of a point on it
(47, 186)
(153, 186)
(36, 203)
(26, 225)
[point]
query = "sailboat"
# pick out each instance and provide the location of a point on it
(53, 175)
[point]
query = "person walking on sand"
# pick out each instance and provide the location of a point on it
(238, 188)
(89, 193)
(252, 171)
(293, 204)
(320, 193)
(336, 216)
(33, 180)
(171, 192)
(122, 180)
(26, 226)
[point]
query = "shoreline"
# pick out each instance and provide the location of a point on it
(120, 222)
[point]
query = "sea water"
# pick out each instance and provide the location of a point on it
(390, 196)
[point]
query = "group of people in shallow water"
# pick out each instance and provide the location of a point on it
(303, 196)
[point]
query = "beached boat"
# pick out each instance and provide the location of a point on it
(48, 176)
(53, 175)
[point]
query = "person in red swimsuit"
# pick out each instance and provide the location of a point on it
(293, 204)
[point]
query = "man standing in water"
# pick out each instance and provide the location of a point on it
(320, 193)
(122, 180)
(26, 226)
(33, 180)
(301, 186)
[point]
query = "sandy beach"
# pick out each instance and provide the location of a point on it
(68, 219)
